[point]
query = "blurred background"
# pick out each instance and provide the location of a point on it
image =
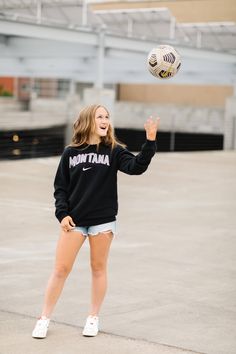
(57, 56)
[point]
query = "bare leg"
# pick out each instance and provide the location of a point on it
(68, 246)
(99, 250)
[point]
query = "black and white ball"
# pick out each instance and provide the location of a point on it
(164, 62)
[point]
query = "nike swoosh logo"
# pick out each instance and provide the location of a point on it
(85, 169)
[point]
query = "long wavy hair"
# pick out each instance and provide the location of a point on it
(84, 127)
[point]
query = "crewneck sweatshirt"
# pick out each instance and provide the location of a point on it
(85, 185)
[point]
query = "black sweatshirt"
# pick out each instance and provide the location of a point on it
(86, 181)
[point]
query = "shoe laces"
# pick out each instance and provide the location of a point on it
(42, 321)
(92, 320)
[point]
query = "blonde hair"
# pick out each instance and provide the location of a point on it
(84, 126)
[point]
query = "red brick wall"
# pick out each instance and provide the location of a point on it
(7, 83)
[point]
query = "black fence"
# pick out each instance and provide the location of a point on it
(167, 141)
(18, 144)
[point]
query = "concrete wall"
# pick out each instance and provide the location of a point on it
(180, 118)
(29, 120)
(9, 104)
(49, 112)
(49, 105)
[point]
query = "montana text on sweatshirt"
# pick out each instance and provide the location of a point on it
(85, 185)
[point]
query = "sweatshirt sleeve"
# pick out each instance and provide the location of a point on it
(136, 165)
(61, 185)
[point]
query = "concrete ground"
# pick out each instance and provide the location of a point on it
(172, 266)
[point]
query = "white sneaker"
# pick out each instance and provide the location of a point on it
(41, 328)
(91, 326)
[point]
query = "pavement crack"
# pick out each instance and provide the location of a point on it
(184, 350)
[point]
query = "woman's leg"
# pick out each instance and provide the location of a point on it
(99, 250)
(68, 246)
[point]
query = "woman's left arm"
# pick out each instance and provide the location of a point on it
(136, 165)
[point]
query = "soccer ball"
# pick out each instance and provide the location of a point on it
(163, 62)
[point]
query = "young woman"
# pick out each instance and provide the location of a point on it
(86, 204)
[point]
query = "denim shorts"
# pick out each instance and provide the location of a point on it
(94, 230)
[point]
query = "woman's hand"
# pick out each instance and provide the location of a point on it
(67, 223)
(151, 127)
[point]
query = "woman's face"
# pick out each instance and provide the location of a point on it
(102, 122)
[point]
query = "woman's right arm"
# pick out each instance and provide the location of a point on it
(61, 186)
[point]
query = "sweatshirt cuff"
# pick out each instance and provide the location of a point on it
(151, 142)
(61, 216)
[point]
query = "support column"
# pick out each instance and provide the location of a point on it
(72, 102)
(39, 11)
(104, 97)
(230, 123)
(15, 88)
(97, 94)
(99, 82)
(172, 27)
(84, 13)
